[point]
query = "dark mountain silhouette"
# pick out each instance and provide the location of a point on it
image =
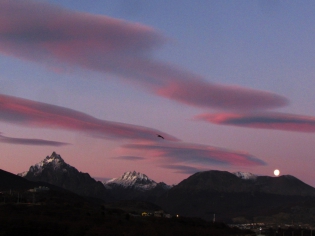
(228, 196)
(283, 185)
(120, 193)
(14, 182)
(223, 181)
(12, 185)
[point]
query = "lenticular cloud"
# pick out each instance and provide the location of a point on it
(269, 120)
(47, 34)
(42, 115)
(178, 153)
(30, 141)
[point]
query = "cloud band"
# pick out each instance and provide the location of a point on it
(276, 121)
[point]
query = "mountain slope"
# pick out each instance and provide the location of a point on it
(12, 181)
(54, 170)
(283, 185)
(223, 181)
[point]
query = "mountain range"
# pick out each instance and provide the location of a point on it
(230, 197)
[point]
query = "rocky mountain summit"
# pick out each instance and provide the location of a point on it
(134, 180)
(133, 185)
(54, 170)
(54, 162)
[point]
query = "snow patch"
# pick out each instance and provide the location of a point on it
(54, 162)
(245, 175)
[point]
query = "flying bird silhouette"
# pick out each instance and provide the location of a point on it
(160, 136)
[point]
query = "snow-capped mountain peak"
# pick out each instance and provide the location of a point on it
(135, 176)
(54, 161)
(132, 179)
(245, 175)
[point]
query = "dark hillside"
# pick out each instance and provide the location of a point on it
(227, 196)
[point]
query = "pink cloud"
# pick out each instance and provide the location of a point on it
(29, 141)
(48, 34)
(277, 121)
(130, 158)
(205, 94)
(36, 114)
(180, 153)
(53, 31)
(183, 169)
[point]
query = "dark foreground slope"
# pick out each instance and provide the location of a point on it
(9, 181)
(81, 219)
(14, 183)
(231, 198)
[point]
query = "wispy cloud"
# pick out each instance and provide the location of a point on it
(179, 153)
(48, 34)
(277, 121)
(29, 141)
(36, 114)
(129, 158)
(182, 169)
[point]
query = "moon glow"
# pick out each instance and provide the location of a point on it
(276, 172)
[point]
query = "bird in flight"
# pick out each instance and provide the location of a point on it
(160, 136)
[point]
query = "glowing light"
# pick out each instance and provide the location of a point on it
(276, 172)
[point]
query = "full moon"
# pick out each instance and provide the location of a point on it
(276, 172)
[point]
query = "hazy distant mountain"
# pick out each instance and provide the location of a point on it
(231, 195)
(54, 170)
(133, 185)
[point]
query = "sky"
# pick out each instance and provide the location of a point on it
(165, 88)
